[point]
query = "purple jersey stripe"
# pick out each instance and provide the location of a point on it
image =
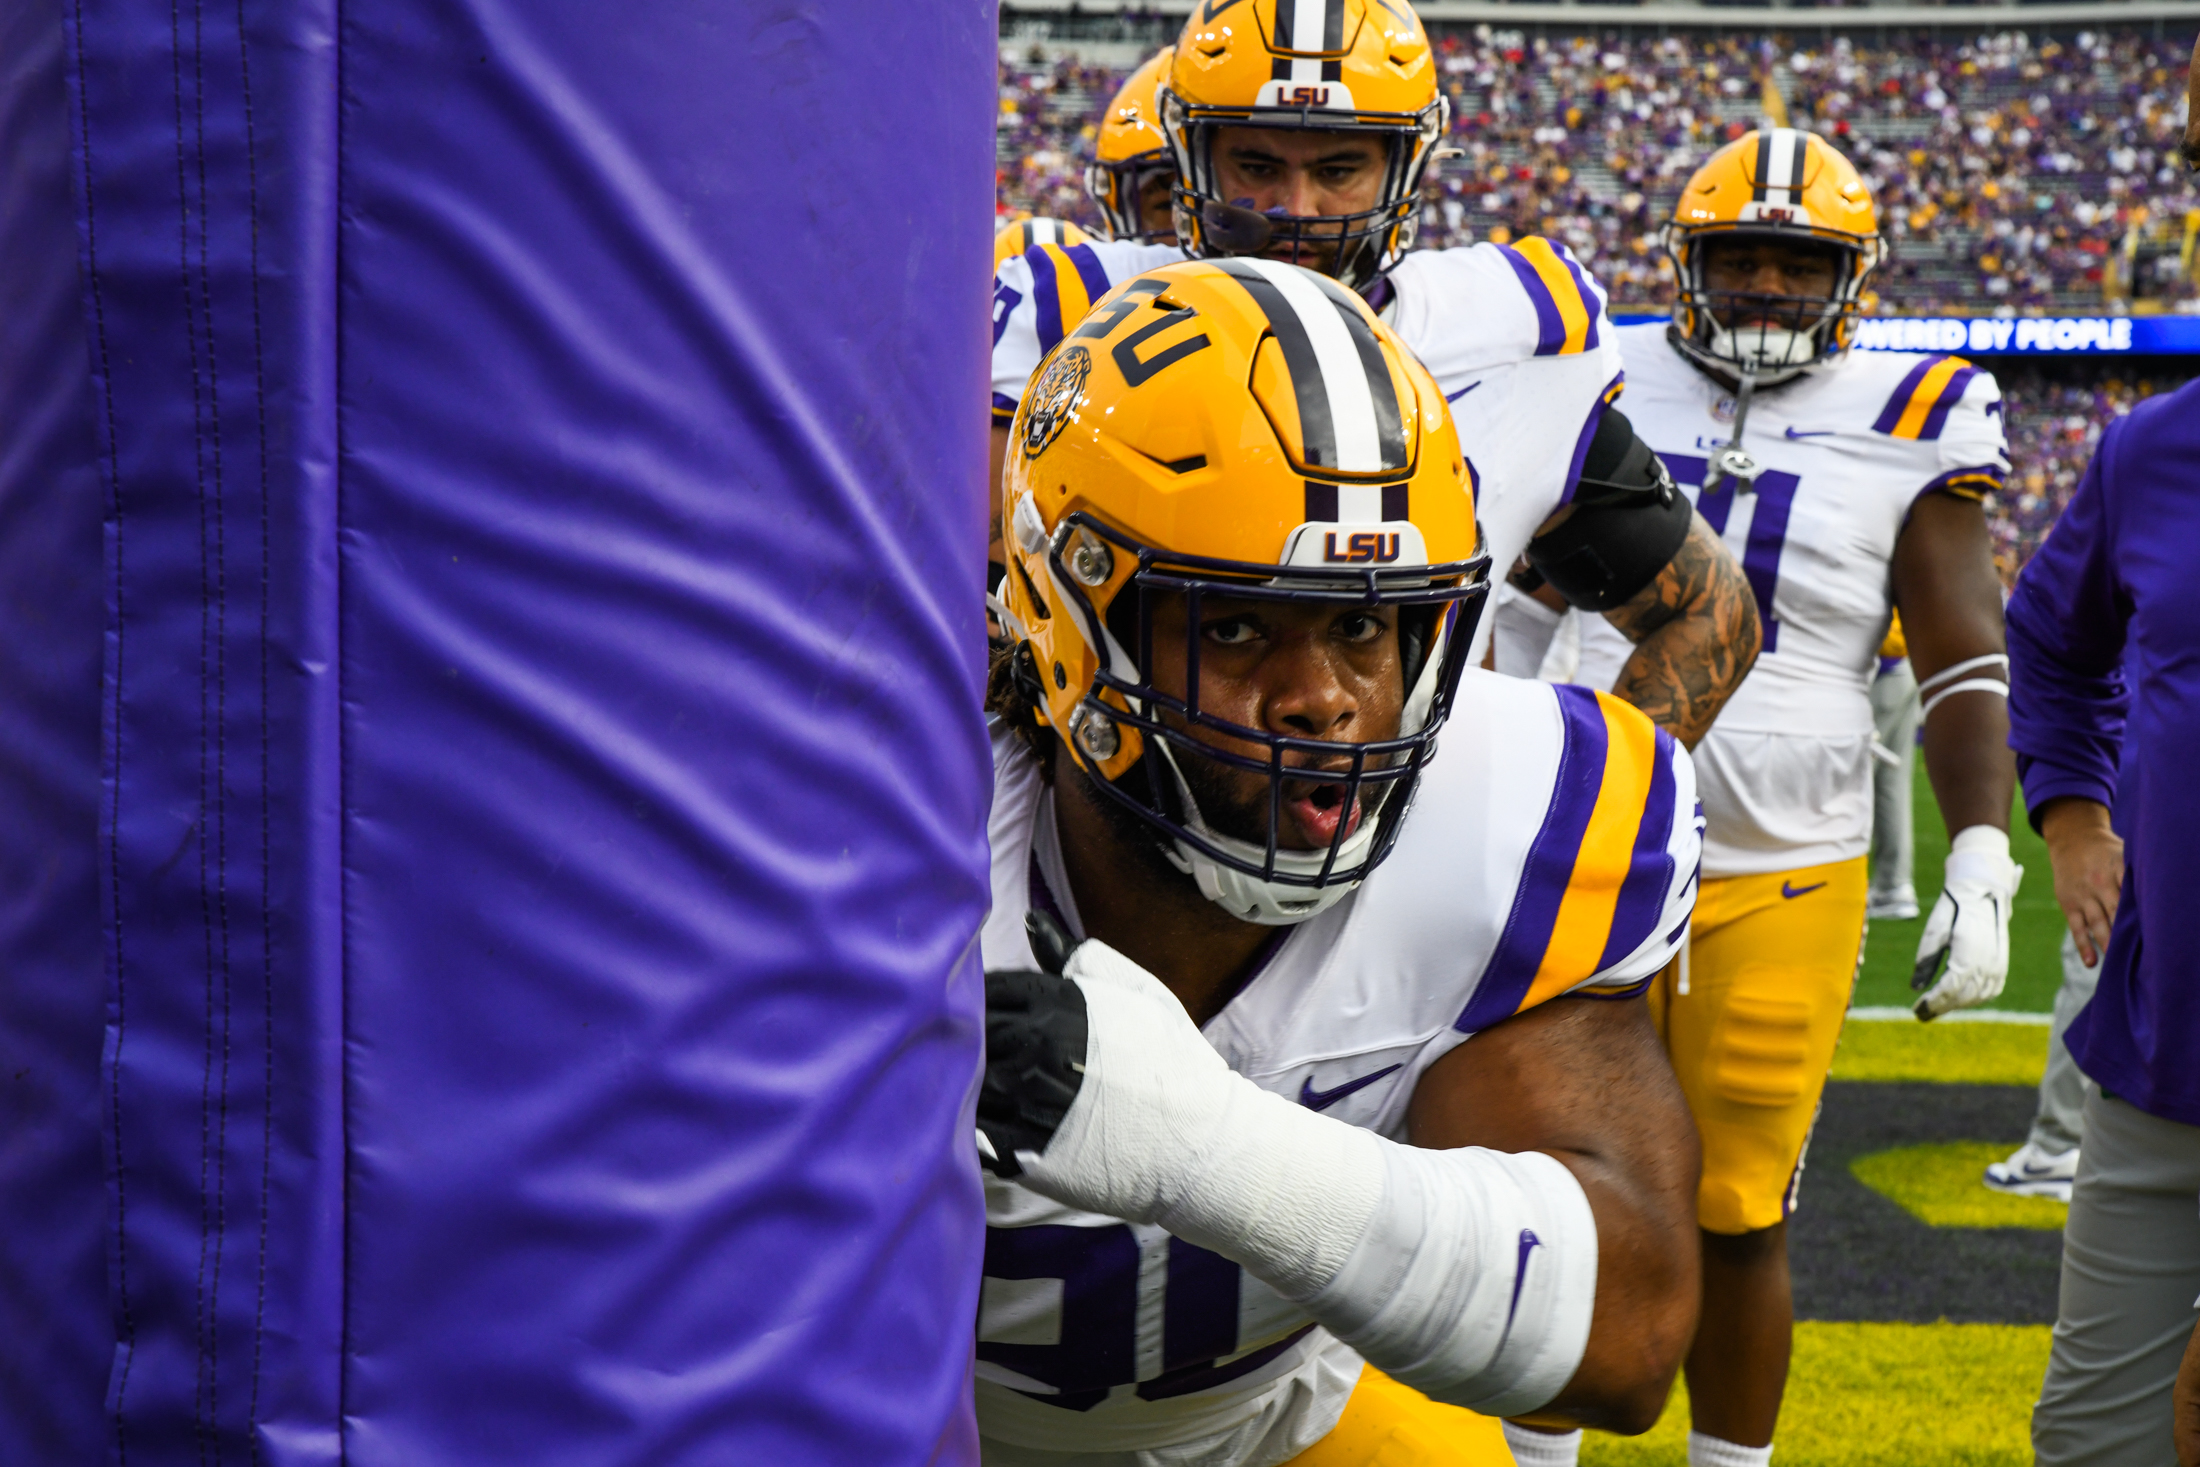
(1977, 479)
(1549, 868)
(1591, 300)
(1589, 430)
(1650, 872)
(1046, 299)
(1004, 406)
(1550, 329)
(1891, 414)
(1950, 394)
(1090, 271)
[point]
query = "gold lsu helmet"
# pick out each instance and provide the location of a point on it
(1240, 428)
(1029, 233)
(1360, 66)
(1779, 183)
(1131, 149)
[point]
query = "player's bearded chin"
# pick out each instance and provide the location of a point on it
(1234, 802)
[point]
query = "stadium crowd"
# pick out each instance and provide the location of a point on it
(2003, 164)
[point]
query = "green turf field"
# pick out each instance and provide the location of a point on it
(1882, 1395)
(1923, 1301)
(2035, 931)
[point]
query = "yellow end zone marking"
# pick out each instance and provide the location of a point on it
(1958, 1054)
(1941, 1186)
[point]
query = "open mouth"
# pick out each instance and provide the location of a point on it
(1320, 810)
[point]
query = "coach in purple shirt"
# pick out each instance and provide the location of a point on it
(2104, 695)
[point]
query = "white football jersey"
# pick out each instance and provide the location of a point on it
(1515, 336)
(1552, 845)
(1846, 449)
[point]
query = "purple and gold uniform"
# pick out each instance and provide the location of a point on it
(1552, 848)
(1752, 1013)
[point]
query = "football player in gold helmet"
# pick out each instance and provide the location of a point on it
(1019, 235)
(1238, 741)
(1131, 174)
(1850, 483)
(1303, 131)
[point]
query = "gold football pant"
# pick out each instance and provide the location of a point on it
(1386, 1424)
(1750, 1013)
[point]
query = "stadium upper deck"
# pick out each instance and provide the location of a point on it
(2019, 171)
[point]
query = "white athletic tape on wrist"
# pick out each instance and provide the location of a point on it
(1163, 1131)
(1475, 1281)
(1969, 664)
(1970, 685)
(1469, 1274)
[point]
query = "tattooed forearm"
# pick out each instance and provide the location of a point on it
(1695, 633)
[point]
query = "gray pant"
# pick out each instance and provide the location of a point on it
(1894, 836)
(2062, 1089)
(2130, 1270)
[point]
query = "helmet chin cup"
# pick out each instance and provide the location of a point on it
(1776, 352)
(1234, 229)
(1251, 898)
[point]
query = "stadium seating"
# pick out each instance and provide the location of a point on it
(2016, 174)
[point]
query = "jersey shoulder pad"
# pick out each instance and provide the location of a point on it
(1604, 894)
(1523, 299)
(1060, 282)
(1953, 410)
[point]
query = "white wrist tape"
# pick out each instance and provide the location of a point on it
(1475, 1280)
(1469, 1274)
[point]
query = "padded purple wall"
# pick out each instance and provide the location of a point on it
(531, 808)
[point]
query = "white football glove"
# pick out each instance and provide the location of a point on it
(1969, 925)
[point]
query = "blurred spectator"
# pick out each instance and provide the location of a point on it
(2012, 174)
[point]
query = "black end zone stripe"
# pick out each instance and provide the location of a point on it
(1317, 432)
(1389, 423)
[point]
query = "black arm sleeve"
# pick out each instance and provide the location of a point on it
(1628, 521)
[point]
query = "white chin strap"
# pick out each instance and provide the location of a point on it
(1775, 351)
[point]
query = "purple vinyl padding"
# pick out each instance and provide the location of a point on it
(492, 834)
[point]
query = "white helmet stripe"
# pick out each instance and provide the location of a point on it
(1344, 379)
(1780, 156)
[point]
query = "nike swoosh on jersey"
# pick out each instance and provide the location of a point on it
(1792, 892)
(1462, 392)
(1810, 433)
(1314, 1099)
